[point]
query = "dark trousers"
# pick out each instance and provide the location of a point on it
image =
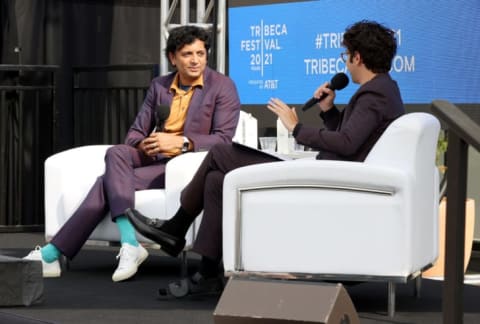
(205, 190)
(126, 170)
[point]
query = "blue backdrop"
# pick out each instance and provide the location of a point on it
(287, 50)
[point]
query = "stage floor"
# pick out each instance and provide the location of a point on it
(85, 293)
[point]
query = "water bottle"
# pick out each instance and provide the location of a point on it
(283, 141)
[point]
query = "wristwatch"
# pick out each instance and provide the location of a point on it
(186, 144)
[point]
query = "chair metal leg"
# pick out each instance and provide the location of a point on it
(64, 263)
(418, 285)
(391, 299)
(184, 265)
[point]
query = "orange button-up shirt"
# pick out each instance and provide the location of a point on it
(179, 108)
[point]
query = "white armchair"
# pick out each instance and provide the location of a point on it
(309, 219)
(70, 174)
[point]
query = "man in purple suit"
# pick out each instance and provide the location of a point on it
(202, 107)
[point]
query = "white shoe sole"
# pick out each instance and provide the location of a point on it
(52, 274)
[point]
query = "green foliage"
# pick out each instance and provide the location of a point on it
(442, 146)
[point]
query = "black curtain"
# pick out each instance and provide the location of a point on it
(67, 34)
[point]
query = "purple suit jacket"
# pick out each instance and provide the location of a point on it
(350, 134)
(212, 115)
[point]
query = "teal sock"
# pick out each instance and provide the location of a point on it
(127, 231)
(50, 253)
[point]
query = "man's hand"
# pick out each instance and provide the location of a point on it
(326, 103)
(287, 115)
(160, 142)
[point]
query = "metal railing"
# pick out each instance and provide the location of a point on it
(27, 137)
(463, 132)
(106, 100)
(104, 103)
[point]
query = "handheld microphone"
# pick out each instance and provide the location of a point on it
(161, 114)
(338, 82)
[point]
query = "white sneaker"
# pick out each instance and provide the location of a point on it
(130, 258)
(50, 270)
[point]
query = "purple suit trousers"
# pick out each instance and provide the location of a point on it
(127, 170)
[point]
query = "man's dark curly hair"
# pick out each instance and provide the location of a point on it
(184, 35)
(375, 43)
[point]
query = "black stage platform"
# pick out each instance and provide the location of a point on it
(85, 293)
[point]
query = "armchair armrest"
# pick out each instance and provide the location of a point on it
(305, 172)
(178, 173)
(72, 171)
